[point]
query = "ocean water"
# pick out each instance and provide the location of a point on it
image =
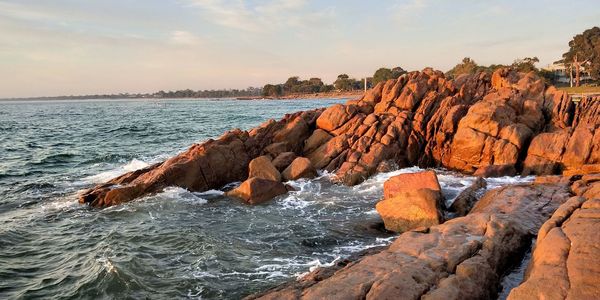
(176, 244)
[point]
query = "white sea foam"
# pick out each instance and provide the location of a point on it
(508, 180)
(181, 194)
(133, 165)
(292, 201)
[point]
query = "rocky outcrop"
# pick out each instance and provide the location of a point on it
(572, 148)
(566, 259)
(411, 201)
(209, 165)
(491, 125)
(460, 259)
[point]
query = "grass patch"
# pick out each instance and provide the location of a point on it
(581, 89)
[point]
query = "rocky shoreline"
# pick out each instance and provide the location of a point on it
(488, 125)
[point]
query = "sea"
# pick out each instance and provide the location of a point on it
(176, 244)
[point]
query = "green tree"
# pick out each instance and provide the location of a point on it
(526, 64)
(584, 51)
(345, 83)
(467, 66)
(397, 72)
(385, 74)
(381, 75)
(271, 90)
(291, 84)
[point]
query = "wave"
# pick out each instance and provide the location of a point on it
(133, 165)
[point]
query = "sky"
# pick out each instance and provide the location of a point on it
(75, 47)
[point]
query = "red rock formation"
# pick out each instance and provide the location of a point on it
(489, 125)
(209, 165)
(574, 149)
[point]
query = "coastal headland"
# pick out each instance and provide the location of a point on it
(504, 123)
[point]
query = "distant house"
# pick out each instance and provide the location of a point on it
(561, 74)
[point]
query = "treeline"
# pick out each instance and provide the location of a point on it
(249, 92)
(469, 66)
(230, 93)
(343, 83)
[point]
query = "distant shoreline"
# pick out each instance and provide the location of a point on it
(311, 96)
(327, 95)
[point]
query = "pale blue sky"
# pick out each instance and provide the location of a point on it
(67, 47)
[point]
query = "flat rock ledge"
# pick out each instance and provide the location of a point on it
(566, 259)
(460, 259)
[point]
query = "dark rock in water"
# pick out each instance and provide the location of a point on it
(496, 171)
(460, 259)
(373, 228)
(467, 198)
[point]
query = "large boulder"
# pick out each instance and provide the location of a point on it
(411, 201)
(410, 182)
(301, 167)
(335, 116)
(261, 167)
(258, 190)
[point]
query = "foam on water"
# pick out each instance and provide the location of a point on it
(180, 194)
(133, 165)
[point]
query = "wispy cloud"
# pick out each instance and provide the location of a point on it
(181, 37)
(405, 11)
(280, 15)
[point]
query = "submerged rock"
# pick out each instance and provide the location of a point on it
(411, 201)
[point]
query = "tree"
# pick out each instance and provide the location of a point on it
(382, 75)
(292, 82)
(467, 66)
(526, 64)
(345, 83)
(385, 74)
(584, 50)
(271, 90)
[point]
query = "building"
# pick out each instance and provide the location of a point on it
(561, 74)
